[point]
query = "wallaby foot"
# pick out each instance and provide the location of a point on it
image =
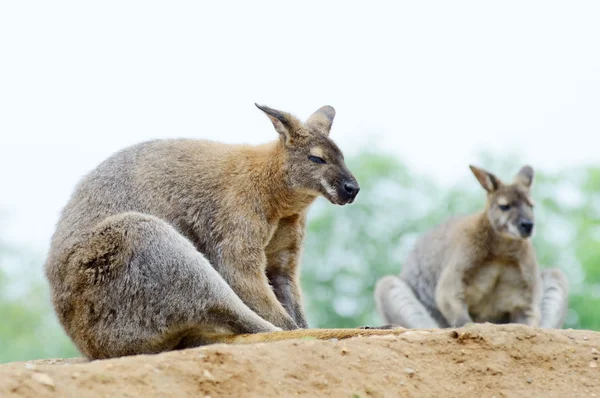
(136, 286)
(554, 303)
(397, 304)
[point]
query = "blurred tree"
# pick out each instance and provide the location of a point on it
(28, 326)
(349, 248)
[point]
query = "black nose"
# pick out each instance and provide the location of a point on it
(526, 226)
(351, 188)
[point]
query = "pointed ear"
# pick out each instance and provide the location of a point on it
(525, 176)
(488, 181)
(284, 123)
(322, 119)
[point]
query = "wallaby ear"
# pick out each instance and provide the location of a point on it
(322, 119)
(283, 122)
(525, 176)
(488, 181)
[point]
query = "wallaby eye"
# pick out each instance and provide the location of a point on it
(504, 207)
(316, 159)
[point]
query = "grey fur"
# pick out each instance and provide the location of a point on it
(477, 268)
(172, 243)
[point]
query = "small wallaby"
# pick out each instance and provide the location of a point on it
(478, 268)
(177, 243)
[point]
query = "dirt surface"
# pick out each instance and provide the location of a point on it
(475, 361)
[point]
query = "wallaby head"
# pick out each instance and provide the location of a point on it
(509, 206)
(313, 161)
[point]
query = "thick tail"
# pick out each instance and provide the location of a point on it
(300, 334)
(555, 296)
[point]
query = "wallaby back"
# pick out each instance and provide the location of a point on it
(170, 241)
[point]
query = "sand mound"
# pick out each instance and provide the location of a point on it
(474, 361)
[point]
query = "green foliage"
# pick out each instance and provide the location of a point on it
(349, 248)
(28, 327)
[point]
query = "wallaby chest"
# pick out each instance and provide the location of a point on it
(284, 241)
(496, 289)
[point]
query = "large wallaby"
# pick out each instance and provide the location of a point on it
(177, 243)
(478, 268)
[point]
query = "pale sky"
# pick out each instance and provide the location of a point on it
(433, 82)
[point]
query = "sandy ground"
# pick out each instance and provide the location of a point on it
(474, 361)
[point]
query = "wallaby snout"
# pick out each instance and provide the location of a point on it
(349, 191)
(314, 162)
(525, 227)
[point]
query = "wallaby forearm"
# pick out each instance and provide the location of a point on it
(250, 283)
(283, 254)
(449, 296)
(287, 290)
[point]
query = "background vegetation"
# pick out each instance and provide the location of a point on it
(349, 248)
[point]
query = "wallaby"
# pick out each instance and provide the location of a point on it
(176, 243)
(478, 268)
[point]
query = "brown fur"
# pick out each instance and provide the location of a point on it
(171, 241)
(320, 334)
(477, 268)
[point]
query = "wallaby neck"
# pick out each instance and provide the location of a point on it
(266, 177)
(498, 245)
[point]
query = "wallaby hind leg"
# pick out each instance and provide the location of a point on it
(138, 286)
(555, 297)
(397, 304)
